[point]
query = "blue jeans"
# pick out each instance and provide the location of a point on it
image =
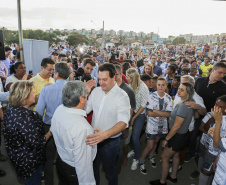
(36, 177)
(137, 129)
(107, 152)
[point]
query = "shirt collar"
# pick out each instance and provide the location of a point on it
(61, 81)
(42, 79)
(75, 111)
(113, 89)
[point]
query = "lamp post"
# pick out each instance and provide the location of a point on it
(20, 31)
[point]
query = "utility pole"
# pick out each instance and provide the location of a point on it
(103, 44)
(20, 31)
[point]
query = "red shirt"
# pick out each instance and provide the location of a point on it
(119, 61)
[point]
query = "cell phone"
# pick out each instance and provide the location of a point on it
(30, 72)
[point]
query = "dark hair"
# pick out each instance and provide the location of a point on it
(223, 61)
(15, 66)
(145, 77)
(63, 69)
(7, 48)
(89, 61)
(125, 67)
(177, 77)
(62, 55)
(85, 56)
(46, 61)
(185, 70)
(222, 98)
(175, 65)
(155, 78)
(108, 67)
(218, 65)
(185, 61)
(193, 69)
(172, 60)
(207, 57)
(172, 68)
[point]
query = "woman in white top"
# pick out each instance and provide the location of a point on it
(138, 118)
(18, 71)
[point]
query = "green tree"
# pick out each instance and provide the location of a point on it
(179, 40)
(76, 39)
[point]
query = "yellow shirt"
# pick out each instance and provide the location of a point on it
(39, 83)
(205, 69)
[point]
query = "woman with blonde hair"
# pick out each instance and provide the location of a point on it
(24, 133)
(148, 69)
(178, 136)
(138, 118)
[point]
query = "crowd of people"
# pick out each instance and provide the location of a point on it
(90, 105)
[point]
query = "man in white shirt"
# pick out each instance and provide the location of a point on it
(111, 114)
(70, 129)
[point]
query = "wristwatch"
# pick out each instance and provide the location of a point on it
(199, 107)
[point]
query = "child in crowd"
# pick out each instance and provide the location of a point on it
(219, 141)
(175, 85)
(158, 110)
(184, 71)
(154, 84)
(170, 73)
(207, 152)
(147, 80)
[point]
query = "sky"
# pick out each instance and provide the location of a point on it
(166, 17)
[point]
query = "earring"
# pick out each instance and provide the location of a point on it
(24, 103)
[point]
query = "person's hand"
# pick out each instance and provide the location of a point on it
(47, 84)
(211, 131)
(25, 76)
(191, 104)
(72, 75)
(217, 114)
(96, 138)
(90, 84)
(131, 122)
(164, 143)
(125, 133)
(30, 76)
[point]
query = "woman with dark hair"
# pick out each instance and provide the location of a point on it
(24, 133)
(18, 72)
(125, 67)
(178, 136)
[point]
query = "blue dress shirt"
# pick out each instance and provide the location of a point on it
(50, 98)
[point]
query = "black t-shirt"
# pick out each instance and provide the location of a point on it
(209, 92)
(130, 93)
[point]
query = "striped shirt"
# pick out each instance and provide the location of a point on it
(141, 97)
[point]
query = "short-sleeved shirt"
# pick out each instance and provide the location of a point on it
(205, 69)
(184, 112)
(39, 83)
(158, 125)
(130, 93)
(11, 79)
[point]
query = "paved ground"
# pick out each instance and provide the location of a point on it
(126, 177)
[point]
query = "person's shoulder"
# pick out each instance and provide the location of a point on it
(51, 80)
(168, 97)
(34, 78)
